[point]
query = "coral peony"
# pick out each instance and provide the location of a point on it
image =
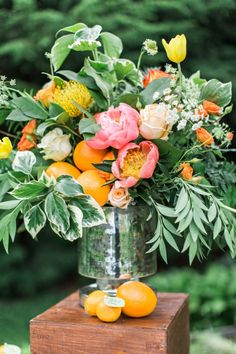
(135, 162)
(118, 127)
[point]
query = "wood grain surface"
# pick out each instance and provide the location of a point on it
(66, 329)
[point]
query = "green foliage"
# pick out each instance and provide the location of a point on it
(62, 203)
(212, 299)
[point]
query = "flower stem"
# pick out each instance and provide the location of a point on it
(140, 58)
(180, 79)
(9, 134)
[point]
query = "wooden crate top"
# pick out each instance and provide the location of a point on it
(68, 313)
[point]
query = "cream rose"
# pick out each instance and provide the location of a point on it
(154, 122)
(56, 145)
(119, 197)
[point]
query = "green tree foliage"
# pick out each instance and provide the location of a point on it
(28, 28)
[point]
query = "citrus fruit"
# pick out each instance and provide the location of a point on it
(84, 156)
(140, 299)
(108, 176)
(57, 169)
(109, 156)
(92, 183)
(92, 300)
(106, 313)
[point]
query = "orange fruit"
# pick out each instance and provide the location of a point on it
(140, 299)
(92, 183)
(92, 300)
(109, 156)
(108, 176)
(57, 169)
(106, 313)
(84, 156)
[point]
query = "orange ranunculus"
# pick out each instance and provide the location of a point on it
(187, 171)
(204, 137)
(27, 142)
(153, 74)
(46, 94)
(30, 127)
(212, 108)
(229, 136)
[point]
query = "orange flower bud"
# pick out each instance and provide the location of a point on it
(154, 74)
(30, 127)
(212, 108)
(27, 142)
(187, 171)
(204, 137)
(229, 136)
(46, 94)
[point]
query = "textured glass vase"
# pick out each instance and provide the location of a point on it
(117, 250)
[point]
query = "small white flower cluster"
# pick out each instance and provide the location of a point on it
(185, 110)
(4, 90)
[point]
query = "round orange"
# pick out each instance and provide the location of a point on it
(106, 313)
(108, 176)
(140, 299)
(92, 300)
(92, 184)
(84, 156)
(109, 156)
(57, 169)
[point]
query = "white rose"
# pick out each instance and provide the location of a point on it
(56, 145)
(154, 123)
(11, 349)
(119, 197)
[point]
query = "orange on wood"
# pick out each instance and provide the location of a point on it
(106, 313)
(84, 156)
(92, 300)
(92, 184)
(140, 299)
(57, 169)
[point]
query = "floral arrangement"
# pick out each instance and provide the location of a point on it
(113, 134)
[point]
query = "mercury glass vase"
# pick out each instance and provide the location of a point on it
(116, 251)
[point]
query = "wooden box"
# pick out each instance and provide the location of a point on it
(67, 329)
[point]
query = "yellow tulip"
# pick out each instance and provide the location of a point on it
(5, 148)
(176, 49)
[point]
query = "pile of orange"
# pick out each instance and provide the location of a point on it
(91, 179)
(139, 301)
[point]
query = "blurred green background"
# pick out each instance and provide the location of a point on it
(37, 274)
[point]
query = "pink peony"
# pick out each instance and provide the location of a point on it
(118, 127)
(135, 162)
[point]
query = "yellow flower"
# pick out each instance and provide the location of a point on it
(5, 148)
(176, 49)
(69, 93)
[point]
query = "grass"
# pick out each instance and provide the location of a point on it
(16, 314)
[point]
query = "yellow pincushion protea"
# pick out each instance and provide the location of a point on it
(71, 92)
